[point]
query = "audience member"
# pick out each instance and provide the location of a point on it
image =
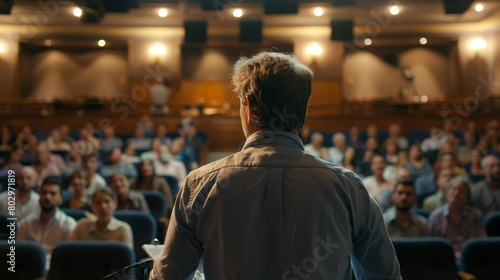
(12, 161)
(441, 178)
(48, 226)
(449, 159)
(141, 142)
(194, 141)
(64, 131)
(167, 165)
(465, 150)
(105, 227)
(161, 134)
(305, 134)
(485, 195)
(78, 184)
(349, 160)
(56, 143)
(434, 142)
(43, 166)
(315, 147)
(29, 155)
(183, 154)
(395, 135)
(391, 151)
(399, 219)
(371, 149)
(23, 136)
(473, 167)
(129, 155)
(87, 142)
(145, 124)
(73, 158)
(115, 165)
(456, 220)
(376, 184)
(417, 164)
(90, 162)
(354, 138)
(7, 137)
(147, 180)
(27, 201)
(127, 199)
(336, 152)
(110, 141)
(372, 132)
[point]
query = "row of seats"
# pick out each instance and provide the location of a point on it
(419, 258)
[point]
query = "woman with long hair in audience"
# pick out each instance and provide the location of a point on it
(56, 142)
(105, 227)
(129, 155)
(7, 137)
(147, 180)
(349, 160)
(474, 166)
(78, 184)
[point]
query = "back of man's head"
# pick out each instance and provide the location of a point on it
(278, 88)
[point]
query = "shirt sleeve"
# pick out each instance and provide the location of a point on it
(374, 256)
(128, 238)
(182, 252)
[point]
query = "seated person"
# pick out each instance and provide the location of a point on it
(376, 184)
(127, 199)
(457, 221)
(90, 163)
(315, 147)
(47, 226)
(417, 164)
(147, 180)
(442, 177)
(78, 184)
(336, 153)
(27, 200)
(115, 165)
(105, 227)
(166, 164)
(399, 219)
(485, 194)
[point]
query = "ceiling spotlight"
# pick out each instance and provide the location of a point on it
(318, 12)
(479, 7)
(77, 12)
(157, 49)
(423, 41)
(162, 12)
(368, 41)
(394, 10)
(237, 12)
(101, 43)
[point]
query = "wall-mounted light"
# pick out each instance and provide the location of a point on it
(101, 43)
(368, 42)
(162, 12)
(77, 12)
(478, 44)
(157, 50)
(238, 13)
(423, 41)
(314, 50)
(318, 11)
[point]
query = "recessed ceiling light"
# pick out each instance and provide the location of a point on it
(162, 12)
(368, 41)
(394, 10)
(77, 12)
(318, 12)
(237, 12)
(101, 43)
(479, 7)
(423, 41)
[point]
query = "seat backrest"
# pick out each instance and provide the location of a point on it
(481, 257)
(76, 214)
(83, 260)
(425, 258)
(144, 228)
(173, 183)
(27, 260)
(156, 203)
(492, 223)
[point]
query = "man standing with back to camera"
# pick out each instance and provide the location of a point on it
(271, 211)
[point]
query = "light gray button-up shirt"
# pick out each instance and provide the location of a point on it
(272, 211)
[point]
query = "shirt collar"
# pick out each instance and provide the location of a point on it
(265, 136)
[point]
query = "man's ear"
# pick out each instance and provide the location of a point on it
(248, 109)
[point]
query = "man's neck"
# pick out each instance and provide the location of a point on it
(403, 217)
(23, 195)
(46, 216)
